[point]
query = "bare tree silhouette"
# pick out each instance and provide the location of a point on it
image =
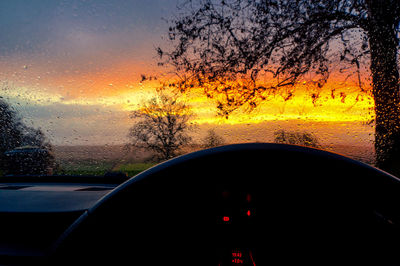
(224, 46)
(161, 125)
(212, 139)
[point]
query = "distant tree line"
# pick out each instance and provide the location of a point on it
(296, 138)
(162, 125)
(14, 133)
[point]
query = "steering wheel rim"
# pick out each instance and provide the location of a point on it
(74, 233)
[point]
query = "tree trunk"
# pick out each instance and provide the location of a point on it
(385, 83)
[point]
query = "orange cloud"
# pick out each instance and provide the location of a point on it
(119, 83)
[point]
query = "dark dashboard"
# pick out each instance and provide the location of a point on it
(34, 214)
(247, 204)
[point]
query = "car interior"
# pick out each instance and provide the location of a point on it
(294, 205)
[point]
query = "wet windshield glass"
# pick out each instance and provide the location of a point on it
(114, 87)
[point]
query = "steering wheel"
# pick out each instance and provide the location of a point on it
(244, 204)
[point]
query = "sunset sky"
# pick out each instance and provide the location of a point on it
(73, 68)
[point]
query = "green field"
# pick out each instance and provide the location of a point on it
(84, 167)
(134, 168)
(99, 168)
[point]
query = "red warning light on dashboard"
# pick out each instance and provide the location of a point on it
(225, 218)
(248, 197)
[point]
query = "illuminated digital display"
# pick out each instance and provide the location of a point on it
(237, 257)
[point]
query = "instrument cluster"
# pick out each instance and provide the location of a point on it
(236, 217)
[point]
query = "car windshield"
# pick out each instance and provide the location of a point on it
(114, 87)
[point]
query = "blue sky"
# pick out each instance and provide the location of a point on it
(29, 25)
